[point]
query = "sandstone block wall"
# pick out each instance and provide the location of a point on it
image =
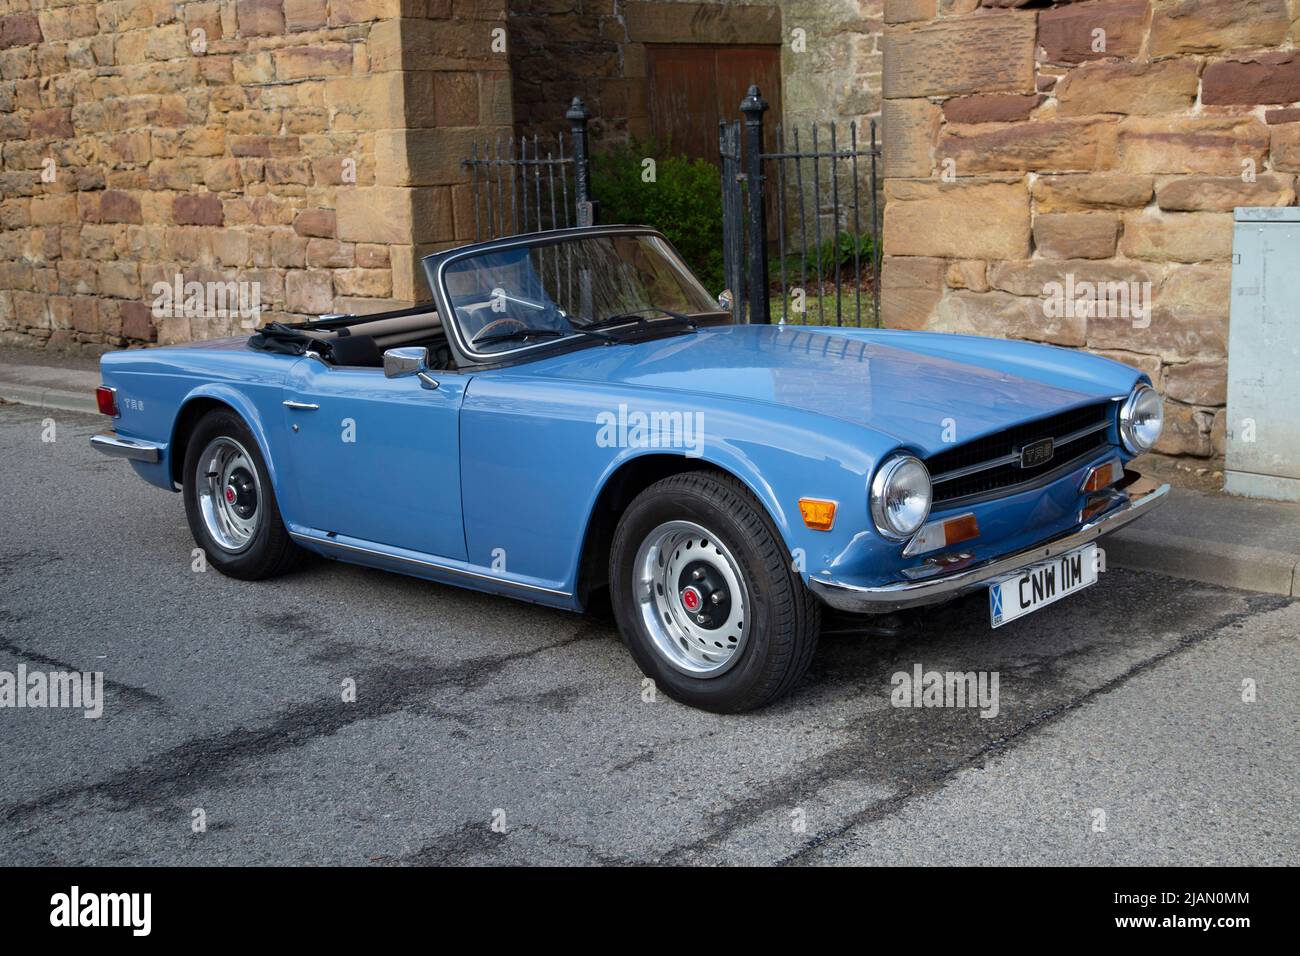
(1100, 142)
(310, 146)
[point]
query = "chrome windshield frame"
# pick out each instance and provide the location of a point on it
(436, 266)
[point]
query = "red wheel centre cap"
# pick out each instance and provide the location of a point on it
(691, 599)
(230, 494)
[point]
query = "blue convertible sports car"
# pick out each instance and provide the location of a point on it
(574, 412)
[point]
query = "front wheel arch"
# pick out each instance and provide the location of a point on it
(623, 484)
(773, 632)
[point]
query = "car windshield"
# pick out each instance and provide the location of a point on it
(526, 295)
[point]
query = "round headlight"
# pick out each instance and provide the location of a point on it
(1141, 419)
(900, 497)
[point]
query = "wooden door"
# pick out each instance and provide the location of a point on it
(695, 85)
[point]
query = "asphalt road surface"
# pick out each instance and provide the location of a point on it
(486, 731)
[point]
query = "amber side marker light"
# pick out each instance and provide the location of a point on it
(106, 399)
(818, 513)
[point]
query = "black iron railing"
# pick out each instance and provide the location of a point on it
(800, 221)
(526, 183)
(818, 181)
(733, 218)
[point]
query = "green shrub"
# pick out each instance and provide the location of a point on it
(684, 202)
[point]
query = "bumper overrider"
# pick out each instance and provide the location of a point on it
(946, 584)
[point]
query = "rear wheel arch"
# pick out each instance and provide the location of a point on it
(626, 482)
(191, 413)
(202, 403)
(230, 501)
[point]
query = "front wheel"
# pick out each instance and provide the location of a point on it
(705, 595)
(230, 503)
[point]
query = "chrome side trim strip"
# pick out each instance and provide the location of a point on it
(1012, 458)
(115, 446)
(900, 595)
(432, 565)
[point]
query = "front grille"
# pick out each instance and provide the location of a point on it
(981, 460)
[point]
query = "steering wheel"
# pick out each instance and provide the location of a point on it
(495, 323)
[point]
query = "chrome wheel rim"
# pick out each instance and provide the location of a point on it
(229, 493)
(692, 598)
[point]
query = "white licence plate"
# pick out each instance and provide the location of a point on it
(1038, 585)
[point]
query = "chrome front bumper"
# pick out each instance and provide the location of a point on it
(116, 446)
(944, 587)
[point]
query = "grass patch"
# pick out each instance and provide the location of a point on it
(820, 309)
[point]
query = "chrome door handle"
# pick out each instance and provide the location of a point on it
(306, 406)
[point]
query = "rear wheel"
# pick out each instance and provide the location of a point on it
(705, 595)
(230, 504)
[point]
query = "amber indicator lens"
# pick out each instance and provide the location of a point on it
(1103, 476)
(956, 530)
(818, 513)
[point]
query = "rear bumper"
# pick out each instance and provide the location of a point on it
(944, 586)
(116, 446)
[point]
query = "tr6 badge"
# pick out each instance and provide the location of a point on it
(1036, 453)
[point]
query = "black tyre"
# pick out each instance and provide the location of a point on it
(230, 503)
(706, 597)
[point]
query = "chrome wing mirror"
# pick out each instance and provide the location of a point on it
(725, 300)
(410, 360)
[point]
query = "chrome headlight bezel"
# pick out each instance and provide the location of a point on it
(882, 484)
(1131, 423)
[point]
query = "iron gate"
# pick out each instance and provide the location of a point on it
(733, 217)
(828, 183)
(801, 222)
(515, 189)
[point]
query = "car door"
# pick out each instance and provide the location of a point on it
(376, 458)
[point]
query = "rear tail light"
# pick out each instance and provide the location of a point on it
(106, 398)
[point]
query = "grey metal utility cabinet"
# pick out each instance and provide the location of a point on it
(1263, 427)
